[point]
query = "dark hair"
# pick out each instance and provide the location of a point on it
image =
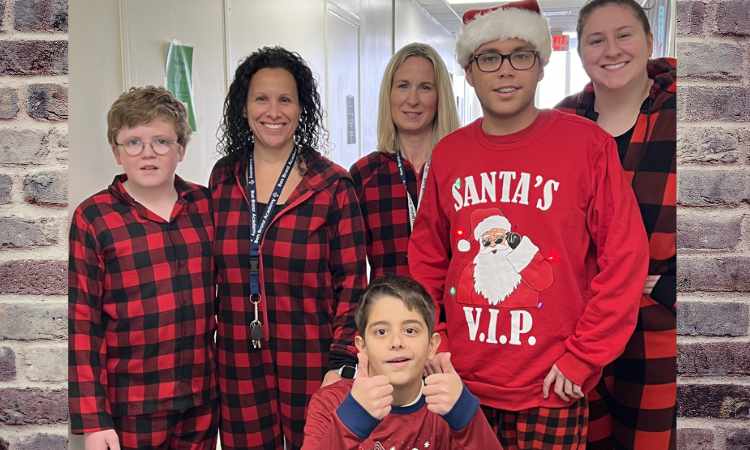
(407, 290)
(589, 8)
(142, 105)
(235, 136)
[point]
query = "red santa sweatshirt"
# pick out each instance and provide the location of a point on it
(335, 421)
(533, 246)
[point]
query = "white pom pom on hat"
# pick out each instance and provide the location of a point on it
(515, 20)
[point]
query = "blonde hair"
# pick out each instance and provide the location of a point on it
(142, 105)
(446, 117)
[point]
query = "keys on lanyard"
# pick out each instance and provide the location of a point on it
(402, 173)
(256, 326)
(256, 233)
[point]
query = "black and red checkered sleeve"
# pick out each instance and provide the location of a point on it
(348, 268)
(87, 375)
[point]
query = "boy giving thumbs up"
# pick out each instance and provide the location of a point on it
(388, 404)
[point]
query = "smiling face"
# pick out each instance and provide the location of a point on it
(397, 342)
(614, 47)
(149, 170)
(414, 97)
(273, 108)
(493, 241)
(506, 95)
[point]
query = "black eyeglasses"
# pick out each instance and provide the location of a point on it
(486, 242)
(519, 60)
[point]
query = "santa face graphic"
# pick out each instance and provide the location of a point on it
(494, 276)
(494, 241)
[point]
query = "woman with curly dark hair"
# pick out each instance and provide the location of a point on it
(290, 254)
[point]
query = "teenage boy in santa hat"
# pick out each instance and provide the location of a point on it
(570, 273)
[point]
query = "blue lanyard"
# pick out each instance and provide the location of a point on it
(413, 206)
(257, 229)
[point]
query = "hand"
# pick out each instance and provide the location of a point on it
(374, 393)
(513, 239)
(651, 281)
(101, 440)
(442, 389)
(564, 388)
(331, 377)
(433, 365)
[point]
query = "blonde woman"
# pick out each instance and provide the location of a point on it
(416, 109)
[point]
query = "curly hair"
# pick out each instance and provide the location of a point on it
(142, 105)
(235, 135)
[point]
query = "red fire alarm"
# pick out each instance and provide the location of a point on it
(560, 42)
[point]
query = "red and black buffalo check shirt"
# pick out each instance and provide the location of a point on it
(382, 198)
(140, 307)
(312, 274)
(634, 405)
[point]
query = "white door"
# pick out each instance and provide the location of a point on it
(342, 55)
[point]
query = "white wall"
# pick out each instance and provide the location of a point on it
(95, 81)
(376, 49)
(414, 24)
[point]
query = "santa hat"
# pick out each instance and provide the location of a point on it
(483, 220)
(515, 20)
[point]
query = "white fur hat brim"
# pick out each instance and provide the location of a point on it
(505, 23)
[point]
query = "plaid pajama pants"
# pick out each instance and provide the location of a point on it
(193, 429)
(633, 406)
(541, 428)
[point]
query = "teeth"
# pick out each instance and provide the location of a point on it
(507, 90)
(614, 66)
(274, 126)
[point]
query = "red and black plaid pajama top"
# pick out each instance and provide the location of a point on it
(140, 307)
(633, 407)
(312, 273)
(382, 198)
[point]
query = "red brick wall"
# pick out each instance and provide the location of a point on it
(33, 223)
(713, 47)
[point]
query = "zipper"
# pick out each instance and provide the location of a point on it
(261, 281)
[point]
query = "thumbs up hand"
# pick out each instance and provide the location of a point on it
(373, 393)
(442, 388)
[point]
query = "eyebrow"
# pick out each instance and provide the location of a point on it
(515, 49)
(407, 322)
(617, 29)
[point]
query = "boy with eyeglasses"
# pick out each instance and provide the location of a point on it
(529, 239)
(141, 291)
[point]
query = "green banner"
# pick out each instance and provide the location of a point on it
(180, 77)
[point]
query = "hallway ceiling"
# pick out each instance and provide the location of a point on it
(562, 14)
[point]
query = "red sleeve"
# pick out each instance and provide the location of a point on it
(429, 249)
(323, 429)
(616, 227)
(477, 434)
(359, 190)
(87, 351)
(348, 268)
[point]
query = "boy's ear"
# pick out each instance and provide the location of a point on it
(116, 154)
(469, 75)
(359, 342)
(434, 344)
